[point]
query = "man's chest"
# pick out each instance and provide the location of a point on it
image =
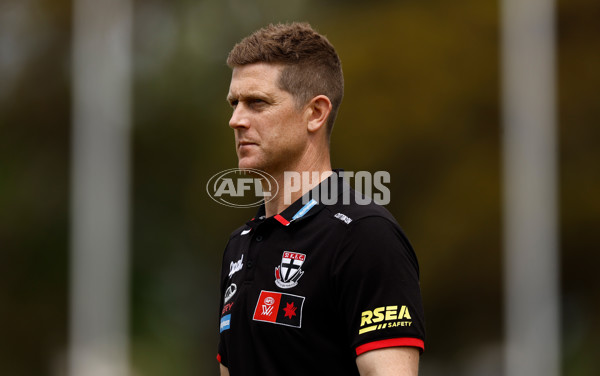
(279, 279)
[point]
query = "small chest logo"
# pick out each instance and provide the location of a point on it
(230, 292)
(235, 267)
(289, 271)
(225, 323)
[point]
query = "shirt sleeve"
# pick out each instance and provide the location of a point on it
(376, 279)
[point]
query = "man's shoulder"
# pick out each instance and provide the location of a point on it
(238, 231)
(355, 208)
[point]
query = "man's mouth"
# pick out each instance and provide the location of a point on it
(241, 144)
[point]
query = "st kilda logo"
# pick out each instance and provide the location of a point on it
(289, 271)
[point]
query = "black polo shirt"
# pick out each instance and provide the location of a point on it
(306, 291)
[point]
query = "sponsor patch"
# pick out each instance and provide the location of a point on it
(230, 292)
(235, 267)
(384, 317)
(343, 218)
(225, 323)
(279, 308)
(289, 271)
(227, 308)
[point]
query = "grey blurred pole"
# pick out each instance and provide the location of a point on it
(531, 255)
(100, 188)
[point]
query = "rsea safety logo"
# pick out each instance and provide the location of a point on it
(384, 317)
(242, 188)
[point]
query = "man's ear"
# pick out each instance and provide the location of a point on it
(318, 110)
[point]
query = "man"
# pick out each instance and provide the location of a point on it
(309, 288)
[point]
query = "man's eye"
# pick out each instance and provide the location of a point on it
(233, 103)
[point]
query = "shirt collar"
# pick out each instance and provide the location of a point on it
(307, 205)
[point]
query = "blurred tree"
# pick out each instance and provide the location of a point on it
(579, 116)
(34, 145)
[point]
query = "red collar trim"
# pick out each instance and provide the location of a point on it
(281, 220)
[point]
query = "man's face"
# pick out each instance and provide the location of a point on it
(270, 131)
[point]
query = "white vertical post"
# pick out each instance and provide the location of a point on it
(100, 188)
(531, 254)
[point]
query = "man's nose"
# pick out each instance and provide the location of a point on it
(239, 118)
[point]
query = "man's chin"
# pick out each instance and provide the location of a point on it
(249, 165)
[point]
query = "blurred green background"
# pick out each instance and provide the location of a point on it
(422, 101)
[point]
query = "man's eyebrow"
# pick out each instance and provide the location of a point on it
(248, 96)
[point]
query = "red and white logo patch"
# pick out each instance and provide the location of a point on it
(279, 308)
(289, 271)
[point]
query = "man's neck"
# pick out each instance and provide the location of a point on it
(294, 184)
